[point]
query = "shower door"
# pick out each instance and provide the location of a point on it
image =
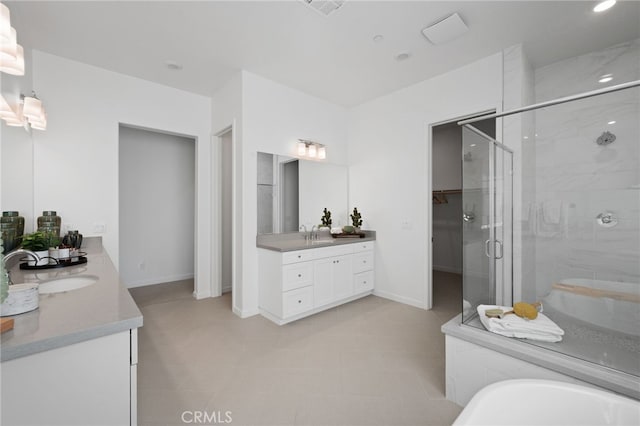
(487, 202)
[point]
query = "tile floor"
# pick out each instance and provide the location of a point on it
(370, 362)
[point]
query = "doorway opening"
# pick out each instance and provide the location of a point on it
(447, 212)
(157, 210)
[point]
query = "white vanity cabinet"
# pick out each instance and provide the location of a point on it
(299, 283)
(87, 383)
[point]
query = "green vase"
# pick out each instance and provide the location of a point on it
(9, 232)
(14, 217)
(50, 222)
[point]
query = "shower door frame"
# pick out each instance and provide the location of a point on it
(503, 281)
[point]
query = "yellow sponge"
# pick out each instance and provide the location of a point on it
(525, 310)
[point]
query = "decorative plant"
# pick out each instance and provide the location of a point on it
(356, 218)
(326, 218)
(39, 241)
(4, 278)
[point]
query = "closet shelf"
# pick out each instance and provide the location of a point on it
(440, 196)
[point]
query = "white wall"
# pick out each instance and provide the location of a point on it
(274, 117)
(268, 117)
(226, 112)
(76, 159)
(157, 185)
(388, 179)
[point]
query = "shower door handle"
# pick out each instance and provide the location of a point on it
(486, 248)
(499, 244)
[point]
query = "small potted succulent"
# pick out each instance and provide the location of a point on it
(356, 219)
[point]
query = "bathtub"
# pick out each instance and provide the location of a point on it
(546, 402)
(610, 305)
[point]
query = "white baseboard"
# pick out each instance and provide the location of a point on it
(447, 269)
(160, 280)
(401, 299)
(245, 314)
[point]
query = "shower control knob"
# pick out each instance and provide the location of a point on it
(606, 219)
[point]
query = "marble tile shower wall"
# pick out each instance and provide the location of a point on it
(576, 179)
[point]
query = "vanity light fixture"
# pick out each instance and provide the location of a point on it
(311, 149)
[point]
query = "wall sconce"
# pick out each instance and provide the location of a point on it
(311, 149)
(11, 53)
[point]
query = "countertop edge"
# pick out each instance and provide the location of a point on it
(303, 245)
(70, 339)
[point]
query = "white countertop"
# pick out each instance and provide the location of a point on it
(62, 319)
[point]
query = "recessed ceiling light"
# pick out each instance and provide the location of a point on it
(605, 78)
(173, 65)
(604, 5)
(403, 56)
(612, 122)
(378, 38)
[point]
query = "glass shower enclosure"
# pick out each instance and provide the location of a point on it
(577, 229)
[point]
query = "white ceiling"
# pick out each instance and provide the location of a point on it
(332, 57)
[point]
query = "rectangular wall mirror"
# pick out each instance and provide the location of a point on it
(293, 192)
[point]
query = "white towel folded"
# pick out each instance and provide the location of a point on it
(541, 328)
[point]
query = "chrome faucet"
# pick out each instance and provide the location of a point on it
(306, 233)
(15, 254)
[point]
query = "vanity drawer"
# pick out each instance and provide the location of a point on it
(340, 250)
(362, 262)
(360, 247)
(297, 275)
(363, 281)
(297, 301)
(297, 256)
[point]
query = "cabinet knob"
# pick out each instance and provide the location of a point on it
(364, 282)
(299, 301)
(364, 261)
(299, 256)
(299, 275)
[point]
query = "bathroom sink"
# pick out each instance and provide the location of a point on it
(58, 285)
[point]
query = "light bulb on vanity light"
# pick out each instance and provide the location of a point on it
(9, 48)
(312, 151)
(322, 153)
(17, 120)
(302, 148)
(13, 66)
(5, 23)
(32, 108)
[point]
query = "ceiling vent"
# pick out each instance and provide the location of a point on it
(446, 29)
(324, 6)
